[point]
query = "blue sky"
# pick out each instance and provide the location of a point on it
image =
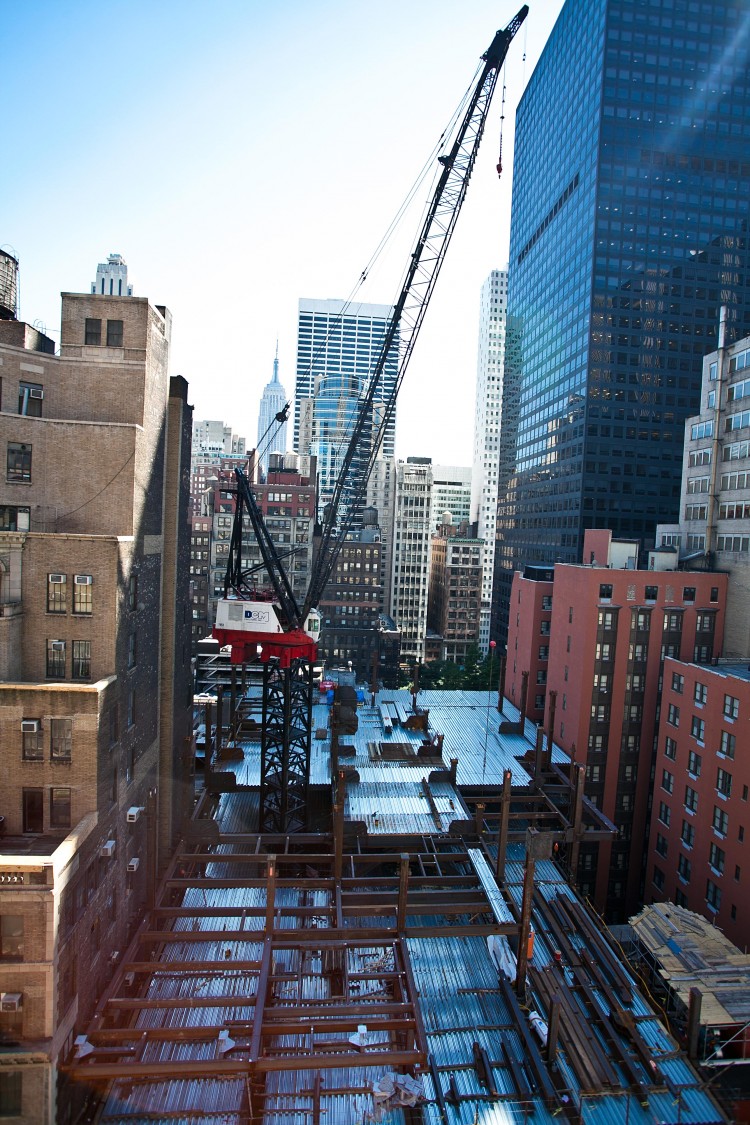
(243, 155)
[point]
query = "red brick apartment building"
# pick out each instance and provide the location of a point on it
(698, 853)
(597, 636)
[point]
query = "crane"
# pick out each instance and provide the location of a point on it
(270, 626)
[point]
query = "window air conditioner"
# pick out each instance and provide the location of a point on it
(57, 578)
(114, 956)
(82, 579)
(133, 814)
(36, 392)
(30, 726)
(57, 646)
(10, 1001)
(134, 864)
(108, 849)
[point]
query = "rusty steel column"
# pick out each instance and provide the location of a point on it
(522, 958)
(479, 808)
(502, 835)
(338, 834)
(538, 759)
(579, 778)
(233, 700)
(219, 718)
(270, 893)
(522, 708)
(403, 890)
(552, 695)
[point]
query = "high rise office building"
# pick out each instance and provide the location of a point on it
(451, 492)
(488, 406)
(338, 346)
(631, 184)
(112, 278)
(271, 433)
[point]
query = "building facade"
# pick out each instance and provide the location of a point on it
(351, 607)
(271, 432)
(412, 543)
(95, 684)
(338, 346)
(700, 809)
(714, 521)
(451, 492)
(599, 635)
(455, 592)
(487, 435)
(629, 227)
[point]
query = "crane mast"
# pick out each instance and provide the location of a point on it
(272, 629)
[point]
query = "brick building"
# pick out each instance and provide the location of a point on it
(94, 660)
(601, 632)
(455, 591)
(700, 810)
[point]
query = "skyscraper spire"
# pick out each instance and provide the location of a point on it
(271, 434)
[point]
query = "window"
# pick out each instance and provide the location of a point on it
(55, 660)
(114, 333)
(544, 652)
(13, 518)
(667, 781)
(720, 821)
(30, 398)
(133, 593)
(688, 594)
(57, 587)
(731, 707)
(61, 740)
(32, 739)
(132, 650)
(694, 763)
(11, 1094)
(658, 878)
(19, 462)
(724, 782)
(691, 799)
(714, 594)
(11, 937)
(93, 331)
(131, 709)
(662, 846)
(670, 748)
(605, 592)
(713, 895)
(82, 593)
(688, 833)
(697, 728)
(728, 744)
(673, 715)
(717, 858)
(81, 660)
(59, 808)
(700, 694)
(651, 593)
(684, 868)
(678, 683)
(665, 813)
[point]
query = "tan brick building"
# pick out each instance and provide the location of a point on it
(95, 686)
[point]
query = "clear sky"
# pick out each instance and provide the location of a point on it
(241, 155)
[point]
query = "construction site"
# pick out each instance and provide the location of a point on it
(417, 953)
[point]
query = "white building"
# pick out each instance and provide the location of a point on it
(338, 347)
(271, 433)
(213, 440)
(112, 278)
(714, 523)
(451, 492)
(489, 400)
(412, 544)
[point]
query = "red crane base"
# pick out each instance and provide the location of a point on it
(250, 648)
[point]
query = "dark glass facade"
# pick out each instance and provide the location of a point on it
(631, 191)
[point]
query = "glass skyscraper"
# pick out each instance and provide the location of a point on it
(629, 229)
